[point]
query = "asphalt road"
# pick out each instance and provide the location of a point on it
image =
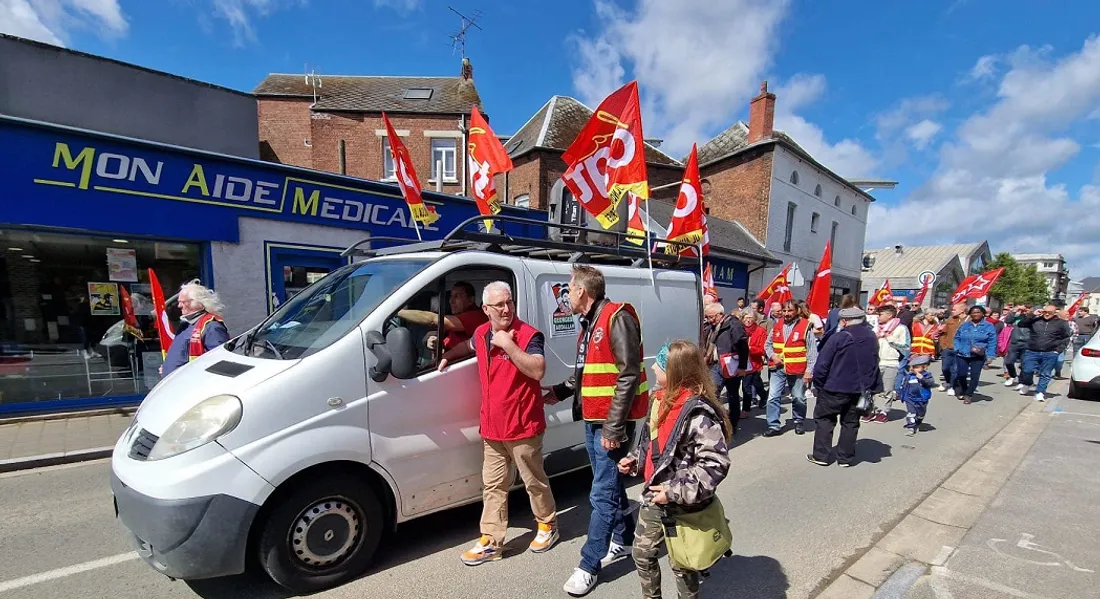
(795, 523)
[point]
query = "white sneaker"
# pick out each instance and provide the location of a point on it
(951, 392)
(1021, 388)
(614, 553)
(943, 387)
(1010, 382)
(1040, 397)
(580, 583)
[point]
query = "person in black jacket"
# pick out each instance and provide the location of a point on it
(1049, 337)
(731, 355)
(847, 366)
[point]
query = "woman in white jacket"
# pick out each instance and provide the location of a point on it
(893, 343)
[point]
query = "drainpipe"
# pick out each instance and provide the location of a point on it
(465, 148)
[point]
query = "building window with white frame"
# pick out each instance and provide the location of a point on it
(523, 201)
(445, 151)
(389, 171)
(794, 177)
(815, 218)
(788, 236)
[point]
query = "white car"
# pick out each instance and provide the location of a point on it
(1084, 373)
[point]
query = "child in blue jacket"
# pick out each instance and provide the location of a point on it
(915, 392)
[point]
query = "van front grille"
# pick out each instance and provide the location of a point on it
(143, 444)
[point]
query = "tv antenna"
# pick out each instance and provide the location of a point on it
(314, 81)
(458, 40)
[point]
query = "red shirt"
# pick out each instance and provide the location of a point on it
(511, 402)
(471, 320)
(665, 429)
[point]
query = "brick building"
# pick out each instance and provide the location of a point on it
(334, 123)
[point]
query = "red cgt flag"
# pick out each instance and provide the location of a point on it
(689, 220)
(976, 286)
(708, 283)
(128, 316)
(164, 328)
(779, 290)
(407, 179)
(607, 159)
(884, 295)
(635, 228)
(822, 285)
(1077, 303)
(487, 158)
(921, 295)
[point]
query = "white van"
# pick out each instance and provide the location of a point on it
(300, 443)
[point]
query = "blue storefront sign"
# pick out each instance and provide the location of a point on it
(60, 177)
(729, 274)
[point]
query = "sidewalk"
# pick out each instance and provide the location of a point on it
(33, 443)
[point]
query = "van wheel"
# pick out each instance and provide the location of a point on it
(321, 535)
(1074, 390)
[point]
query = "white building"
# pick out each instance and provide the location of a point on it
(1053, 268)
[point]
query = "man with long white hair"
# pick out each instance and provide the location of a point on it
(203, 328)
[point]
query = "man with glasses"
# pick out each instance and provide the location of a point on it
(791, 358)
(511, 363)
(1049, 337)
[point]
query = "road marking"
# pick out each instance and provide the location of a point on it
(34, 579)
(1064, 413)
(993, 586)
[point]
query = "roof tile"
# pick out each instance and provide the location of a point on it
(450, 95)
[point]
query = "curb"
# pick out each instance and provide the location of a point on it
(928, 534)
(123, 411)
(55, 459)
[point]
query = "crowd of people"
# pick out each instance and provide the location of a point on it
(673, 430)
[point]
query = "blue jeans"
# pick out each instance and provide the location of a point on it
(968, 372)
(947, 362)
(610, 519)
(779, 383)
(1061, 362)
(1044, 362)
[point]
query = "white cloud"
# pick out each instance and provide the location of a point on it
(401, 6)
(921, 133)
(985, 68)
(847, 157)
(53, 21)
(994, 179)
(240, 14)
(698, 61)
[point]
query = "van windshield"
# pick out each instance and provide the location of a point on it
(325, 311)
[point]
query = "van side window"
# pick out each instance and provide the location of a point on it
(448, 309)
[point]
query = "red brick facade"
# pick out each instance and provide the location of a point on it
(286, 124)
(740, 189)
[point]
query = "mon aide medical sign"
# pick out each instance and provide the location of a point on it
(93, 174)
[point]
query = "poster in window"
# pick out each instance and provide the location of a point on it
(103, 298)
(122, 265)
(563, 323)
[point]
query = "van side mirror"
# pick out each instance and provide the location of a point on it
(402, 350)
(384, 362)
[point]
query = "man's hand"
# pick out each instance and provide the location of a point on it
(626, 465)
(442, 364)
(550, 398)
(809, 376)
(660, 494)
(504, 339)
(431, 342)
(609, 444)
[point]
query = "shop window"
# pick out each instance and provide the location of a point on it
(444, 152)
(62, 334)
(458, 295)
(389, 172)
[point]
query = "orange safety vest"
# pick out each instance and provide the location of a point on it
(922, 341)
(195, 346)
(793, 348)
(598, 379)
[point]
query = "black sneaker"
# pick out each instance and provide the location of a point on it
(810, 457)
(798, 429)
(845, 464)
(773, 432)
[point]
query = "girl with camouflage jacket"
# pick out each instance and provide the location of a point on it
(691, 457)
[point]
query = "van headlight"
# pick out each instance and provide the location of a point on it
(207, 421)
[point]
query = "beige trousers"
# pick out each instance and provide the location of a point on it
(499, 456)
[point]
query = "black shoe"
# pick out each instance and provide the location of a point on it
(810, 457)
(845, 464)
(798, 429)
(773, 432)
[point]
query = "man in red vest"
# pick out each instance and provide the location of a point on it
(510, 363)
(611, 394)
(791, 356)
(202, 326)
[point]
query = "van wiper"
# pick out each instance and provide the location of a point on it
(273, 349)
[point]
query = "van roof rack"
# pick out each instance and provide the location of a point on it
(461, 238)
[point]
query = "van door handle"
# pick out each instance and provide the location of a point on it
(335, 402)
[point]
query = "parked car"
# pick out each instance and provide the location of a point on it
(1084, 373)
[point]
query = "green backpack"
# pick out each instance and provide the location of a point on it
(696, 536)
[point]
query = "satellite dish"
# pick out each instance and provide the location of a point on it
(868, 261)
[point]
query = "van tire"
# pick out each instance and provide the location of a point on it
(1074, 390)
(351, 526)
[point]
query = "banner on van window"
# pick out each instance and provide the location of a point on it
(562, 321)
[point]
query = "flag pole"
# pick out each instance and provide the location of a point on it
(701, 273)
(415, 225)
(648, 241)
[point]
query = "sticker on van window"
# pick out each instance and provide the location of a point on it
(562, 321)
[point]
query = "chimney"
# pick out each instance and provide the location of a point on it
(761, 114)
(468, 70)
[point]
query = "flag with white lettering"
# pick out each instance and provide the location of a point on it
(689, 220)
(976, 286)
(778, 291)
(821, 288)
(407, 179)
(487, 158)
(1077, 304)
(635, 227)
(883, 296)
(607, 159)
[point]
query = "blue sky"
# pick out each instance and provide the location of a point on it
(986, 111)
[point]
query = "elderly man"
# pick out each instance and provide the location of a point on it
(1049, 337)
(730, 358)
(791, 356)
(203, 329)
(611, 392)
(510, 362)
(847, 366)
